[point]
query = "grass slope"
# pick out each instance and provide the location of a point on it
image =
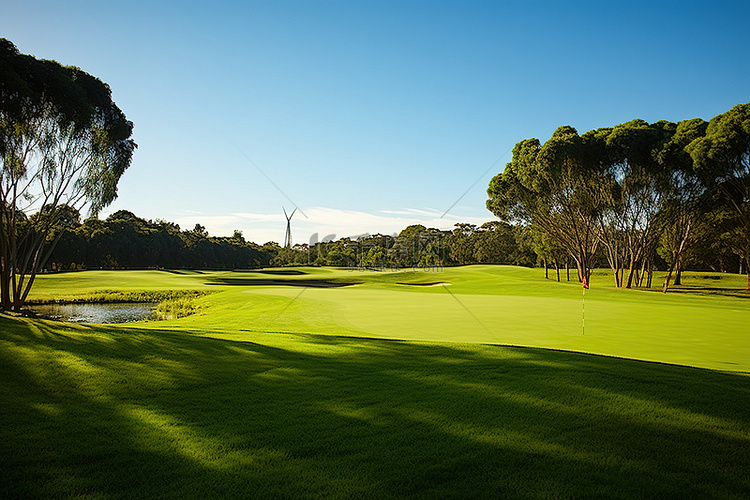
(95, 412)
(485, 304)
(274, 391)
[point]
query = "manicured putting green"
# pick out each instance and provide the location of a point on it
(484, 304)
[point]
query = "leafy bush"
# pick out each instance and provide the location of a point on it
(176, 308)
(120, 296)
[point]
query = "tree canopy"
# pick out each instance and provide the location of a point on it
(630, 189)
(63, 142)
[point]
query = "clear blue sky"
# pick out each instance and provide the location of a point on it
(372, 115)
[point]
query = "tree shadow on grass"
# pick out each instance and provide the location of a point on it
(280, 272)
(704, 291)
(185, 271)
(278, 282)
(101, 411)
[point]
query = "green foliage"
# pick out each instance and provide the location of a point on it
(124, 240)
(64, 144)
(629, 190)
(723, 154)
(722, 159)
(176, 308)
(120, 296)
(556, 188)
(491, 243)
(287, 256)
(51, 108)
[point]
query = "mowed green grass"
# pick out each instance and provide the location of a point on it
(304, 392)
(503, 305)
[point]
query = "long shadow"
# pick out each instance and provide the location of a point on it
(105, 412)
(704, 291)
(184, 271)
(280, 272)
(292, 282)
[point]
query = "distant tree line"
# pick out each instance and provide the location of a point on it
(633, 194)
(126, 241)
(494, 242)
(418, 246)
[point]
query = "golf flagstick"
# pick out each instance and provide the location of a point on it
(583, 304)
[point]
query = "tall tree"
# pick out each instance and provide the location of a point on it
(722, 158)
(597, 154)
(494, 243)
(63, 141)
(642, 187)
(685, 194)
(410, 244)
(461, 244)
(555, 189)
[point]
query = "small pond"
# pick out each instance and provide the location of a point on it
(96, 313)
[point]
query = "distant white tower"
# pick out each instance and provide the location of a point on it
(288, 237)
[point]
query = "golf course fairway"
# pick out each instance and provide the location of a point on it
(476, 381)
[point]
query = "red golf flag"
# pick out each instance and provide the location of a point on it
(585, 283)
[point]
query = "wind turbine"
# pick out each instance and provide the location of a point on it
(288, 237)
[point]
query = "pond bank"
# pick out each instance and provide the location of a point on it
(97, 312)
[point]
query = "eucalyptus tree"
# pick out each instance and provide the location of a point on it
(552, 187)
(461, 243)
(598, 156)
(641, 192)
(63, 142)
(685, 195)
(494, 243)
(722, 159)
(409, 245)
(546, 250)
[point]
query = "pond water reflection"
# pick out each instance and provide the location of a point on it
(96, 313)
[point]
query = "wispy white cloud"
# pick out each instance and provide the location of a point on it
(428, 212)
(257, 217)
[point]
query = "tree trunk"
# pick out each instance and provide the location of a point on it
(631, 271)
(4, 267)
(567, 267)
(678, 271)
(40, 261)
(669, 278)
(4, 286)
(747, 258)
(614, 263)
(557, 269)
(642, 274)
(677, 260)
(546, 271)
(583, 273)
